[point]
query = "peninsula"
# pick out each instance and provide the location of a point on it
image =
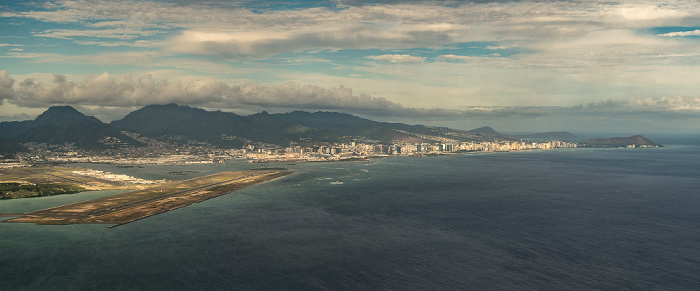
(131, 206)
(632, 141)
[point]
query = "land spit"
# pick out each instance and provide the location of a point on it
(131, 206)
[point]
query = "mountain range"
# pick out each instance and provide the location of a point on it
(182, 124)
(64, 124)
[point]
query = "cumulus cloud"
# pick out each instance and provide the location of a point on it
(6, 90)
(398, 58)
(105, 90)
(307, 97)
(109, 98)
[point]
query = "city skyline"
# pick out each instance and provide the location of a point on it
(515, 65)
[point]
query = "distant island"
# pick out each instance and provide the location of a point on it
(632, 141)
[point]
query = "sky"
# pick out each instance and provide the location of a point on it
(517, 66)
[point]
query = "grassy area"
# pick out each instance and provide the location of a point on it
(17, 190)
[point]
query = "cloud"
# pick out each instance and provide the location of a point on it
(264, 43)
(36, 57)
(6, 83)
(115, 33)
(107, 91)
(501, 47)
(220, 29)
(109, 99)
(398, 58)
(15, 117)
(682, 33)
(104, 90)
(137, 43)
(452, 57)
(509, 111)
(678, 105)
(566, 50)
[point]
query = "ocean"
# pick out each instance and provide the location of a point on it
(603, 219)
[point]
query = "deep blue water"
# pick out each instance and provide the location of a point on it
(545, 220)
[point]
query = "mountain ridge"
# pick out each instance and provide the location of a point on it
(159, 121)
(64, 124)
(486, 130)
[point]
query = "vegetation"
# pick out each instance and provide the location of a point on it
(17, 190)
(10, 147)
(182, 173)
(64, 124)
(636, 140)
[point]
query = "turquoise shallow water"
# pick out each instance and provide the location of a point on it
(564, 219)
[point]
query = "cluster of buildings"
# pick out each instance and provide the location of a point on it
(202, 154)
(354, 150)
(113, 177)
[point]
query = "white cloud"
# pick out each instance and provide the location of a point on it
(501, 47)
(682, 33)
(266, 42)
(452, 57)
(403, 58)
(648, 12)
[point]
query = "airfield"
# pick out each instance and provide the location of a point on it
(135, 205)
